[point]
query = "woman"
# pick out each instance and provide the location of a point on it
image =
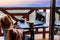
(6, 24)
(10, 33)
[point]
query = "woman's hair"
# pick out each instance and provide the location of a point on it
(5, 25)
(6, 22)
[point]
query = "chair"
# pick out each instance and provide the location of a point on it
(41, 16)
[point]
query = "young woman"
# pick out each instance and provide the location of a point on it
(6, 24)
(10, 33)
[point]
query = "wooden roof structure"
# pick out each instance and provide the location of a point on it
(24, 8)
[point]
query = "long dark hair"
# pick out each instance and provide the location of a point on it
(4, 25)
(5, 22)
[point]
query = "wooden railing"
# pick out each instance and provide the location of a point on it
(26, 15)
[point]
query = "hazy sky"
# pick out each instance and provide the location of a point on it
(26, 3)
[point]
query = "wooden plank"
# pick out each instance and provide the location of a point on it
(18, 14)
(41, 32)
(4, 11)
(52, 19)
(44, 31)
(30, 11)
(17, 8)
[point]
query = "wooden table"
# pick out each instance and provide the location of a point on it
(37, 24)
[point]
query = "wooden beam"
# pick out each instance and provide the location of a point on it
(57, 7)
(58, 12)
(30, 11)
(18, 14)
(19, 8)
(4, 11)
(41, 32)
(52, 19)
(22, 8)
(45, 15)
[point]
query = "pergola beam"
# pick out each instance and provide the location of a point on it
(52, 19)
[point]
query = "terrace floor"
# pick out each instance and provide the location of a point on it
(56, 37)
